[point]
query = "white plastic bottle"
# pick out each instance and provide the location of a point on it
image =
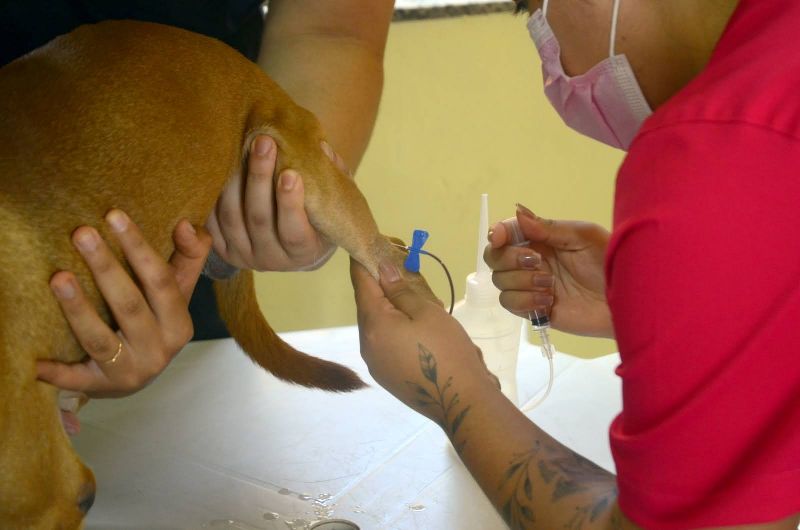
(491, 327)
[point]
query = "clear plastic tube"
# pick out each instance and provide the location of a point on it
(541, 324)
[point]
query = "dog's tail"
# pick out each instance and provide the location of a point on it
(239, 310)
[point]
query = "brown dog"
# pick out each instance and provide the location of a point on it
(152, 120)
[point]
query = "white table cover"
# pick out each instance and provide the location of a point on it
(216, 442)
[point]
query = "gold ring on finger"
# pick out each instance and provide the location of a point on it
(116, 355)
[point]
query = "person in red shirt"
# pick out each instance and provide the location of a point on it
(699, 282)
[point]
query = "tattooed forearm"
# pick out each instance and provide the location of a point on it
(441, 398)
(548, 487)
(568, 474)
(518, 509)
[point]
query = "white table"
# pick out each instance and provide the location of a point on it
(215, 442)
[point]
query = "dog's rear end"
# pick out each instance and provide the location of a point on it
(152, 120)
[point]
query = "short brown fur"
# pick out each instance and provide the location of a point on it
(152, 120)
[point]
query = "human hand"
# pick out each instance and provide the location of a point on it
(268, 229)
(410, 342)
(154, 322)
(562, 266)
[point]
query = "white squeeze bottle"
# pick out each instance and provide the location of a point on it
(491, 327)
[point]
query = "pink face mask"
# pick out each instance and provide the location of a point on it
(606, 103)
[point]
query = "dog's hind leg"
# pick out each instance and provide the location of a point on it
(336, 207)
(42, 481)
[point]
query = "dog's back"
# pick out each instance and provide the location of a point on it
(80, 135)
(91, 135)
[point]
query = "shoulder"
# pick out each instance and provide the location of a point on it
(752, 77)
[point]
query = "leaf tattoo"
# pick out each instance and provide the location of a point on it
(568, 473)
(428, 364)
(517, 511)
(440, 397)
(575, 474)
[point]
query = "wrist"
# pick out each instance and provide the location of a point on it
(447, 385)
(479, 403)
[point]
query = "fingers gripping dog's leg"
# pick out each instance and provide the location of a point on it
(335, 206)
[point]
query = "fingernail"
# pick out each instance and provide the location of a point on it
(87, 240)
(388, 271)
(262, 146)
(118, 220)
(188, 226)
(544, 300)
(490, 234)
(71, 423)
(525, 211)
(529, 261)
(544, 280)
(326, 148)
(288, 180)
(64, 290)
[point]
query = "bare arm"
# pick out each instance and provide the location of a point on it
(416, 351)
(532, 480)
(328, 55)
(420, 354)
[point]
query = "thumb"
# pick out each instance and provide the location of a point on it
(192, 246)
(400, 293)
(535, 229)
(367, 291)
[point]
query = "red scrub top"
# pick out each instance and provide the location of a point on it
(703, 275)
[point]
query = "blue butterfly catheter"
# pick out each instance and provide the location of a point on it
(412, 263)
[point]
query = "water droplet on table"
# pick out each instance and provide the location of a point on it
(271, 516)
(297, 524)
(219, 523)
(416, 507)
(284, 491)
(324, 512)
(229, 523)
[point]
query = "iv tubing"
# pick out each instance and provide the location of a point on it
(444, 267)
(541, 324)
(547, 351)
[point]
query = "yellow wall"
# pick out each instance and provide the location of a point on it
(463, 113)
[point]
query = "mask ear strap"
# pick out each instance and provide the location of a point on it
(614, 17)
(544, 7)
